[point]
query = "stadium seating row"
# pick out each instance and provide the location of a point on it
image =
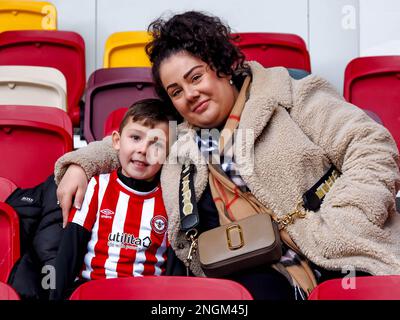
(65, 51)
(370, 82)
(53, 75)
(181, 288)
(61, 50)
(365, 78)
(142, 288)
(41, 128)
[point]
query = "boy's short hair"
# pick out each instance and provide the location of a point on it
(149, 112)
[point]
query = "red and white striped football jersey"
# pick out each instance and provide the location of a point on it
(128, 228)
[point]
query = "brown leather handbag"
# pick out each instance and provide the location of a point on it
(239, 245)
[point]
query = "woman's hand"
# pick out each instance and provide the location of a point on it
(73, 183)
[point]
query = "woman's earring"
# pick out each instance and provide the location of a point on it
(231, 82)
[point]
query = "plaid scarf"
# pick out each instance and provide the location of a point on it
(208, 146)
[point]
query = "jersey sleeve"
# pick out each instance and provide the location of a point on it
(86, 215)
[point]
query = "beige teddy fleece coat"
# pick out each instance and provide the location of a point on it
(300, 128)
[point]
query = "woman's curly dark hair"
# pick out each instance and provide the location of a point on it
(203, 36)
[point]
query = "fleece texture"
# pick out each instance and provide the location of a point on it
(295, 130)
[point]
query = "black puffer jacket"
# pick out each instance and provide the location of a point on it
(40, 232)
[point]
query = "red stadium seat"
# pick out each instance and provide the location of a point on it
(362, 288)
(374, 116)
(62, 50)
(9, 240)
(32, 138)
(373, 83)
(275, 49)
(161, 288)
(113, 120)
(6, 188)
(7, 292)
(111, 89)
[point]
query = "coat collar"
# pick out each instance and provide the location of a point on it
(269, 88)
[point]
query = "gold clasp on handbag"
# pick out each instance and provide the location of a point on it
(230, 229)
(289, 218)
(192, 249)
(191, 237)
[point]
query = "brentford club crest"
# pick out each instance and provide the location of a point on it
(159, 224)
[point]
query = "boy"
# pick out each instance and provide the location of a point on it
(120, 229)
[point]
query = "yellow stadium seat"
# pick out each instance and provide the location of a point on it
(126, 49)
(27, 15)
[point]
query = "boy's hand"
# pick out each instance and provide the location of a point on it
(73, 184)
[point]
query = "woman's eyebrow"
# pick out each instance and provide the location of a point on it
(184, 76)
(191, 70)
(171, 86)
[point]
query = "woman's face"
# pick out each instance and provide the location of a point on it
(199, 95)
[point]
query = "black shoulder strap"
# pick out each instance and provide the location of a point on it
(187, 199)
(312, 199)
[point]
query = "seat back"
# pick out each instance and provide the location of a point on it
(111, 89)
(31, 140)
(7, 292)
(274, 49)
(126, 49)
(27, 85)
(27, 15)
(374, 116)
(113, 120)
(9, 240)
(6, 188)
(358, 288)
(161, 288)
(298, 74)
(62, 50)
(373, 83)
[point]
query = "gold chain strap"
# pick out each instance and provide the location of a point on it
(191, 236)
(290, 217)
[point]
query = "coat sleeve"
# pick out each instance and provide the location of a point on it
(69, 259)
(362, 199)
(96, 158)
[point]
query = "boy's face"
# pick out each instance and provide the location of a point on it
(141, 150)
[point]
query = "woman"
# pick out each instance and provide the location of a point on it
(300, 130)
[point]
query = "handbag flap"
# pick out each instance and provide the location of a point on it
(254, 233)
